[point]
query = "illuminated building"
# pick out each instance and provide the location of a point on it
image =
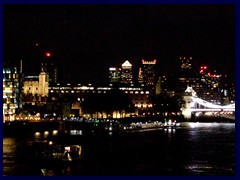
(187, 97)
(186, 63)
(35, 88)
(140, 76)
(138, 95)
(31, 85)
(148, 72)
(203, 70)
(43, 83)
(115, 75)
(210, 86)
(126, 76)
(36, 84)
(12, 79)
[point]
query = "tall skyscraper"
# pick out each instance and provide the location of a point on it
(127, 77)
(114, 75)
(140, 76)
(148, 74)
(50, 65)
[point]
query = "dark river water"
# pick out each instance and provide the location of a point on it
(192, 149)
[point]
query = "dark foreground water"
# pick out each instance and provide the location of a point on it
(193, 149)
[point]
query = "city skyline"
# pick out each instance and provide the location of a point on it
(88, 39)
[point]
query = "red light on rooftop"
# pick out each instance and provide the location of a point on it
(155, 60)
(48, 54)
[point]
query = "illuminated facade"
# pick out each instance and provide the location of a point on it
(43, 84)
(37, 85)
(115, 75)
(139, 96)
(149, 72)
(31, 85)
(211, 89)
(126, 76)
(12, 79)
(187, 97)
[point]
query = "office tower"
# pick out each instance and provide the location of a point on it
(203, 70)
(149, 72)
(50, 65)
(126, 76)
(11, 92)
(114, 75)
(186, 63)
(140, 76)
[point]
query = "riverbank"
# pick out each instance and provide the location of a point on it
(23, 128)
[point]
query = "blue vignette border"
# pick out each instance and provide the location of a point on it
(237, 75)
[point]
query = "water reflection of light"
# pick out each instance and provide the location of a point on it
(197, 124)
(170, 130)
(193, 124)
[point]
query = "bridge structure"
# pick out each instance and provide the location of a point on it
(194, 104)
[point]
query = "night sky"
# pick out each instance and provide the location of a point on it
(88, 39)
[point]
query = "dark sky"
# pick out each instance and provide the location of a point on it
(88, 39)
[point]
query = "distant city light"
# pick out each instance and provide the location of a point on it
(48, 54)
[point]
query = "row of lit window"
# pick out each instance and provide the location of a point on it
(62, 91)
(143, 105)
(136, 92)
